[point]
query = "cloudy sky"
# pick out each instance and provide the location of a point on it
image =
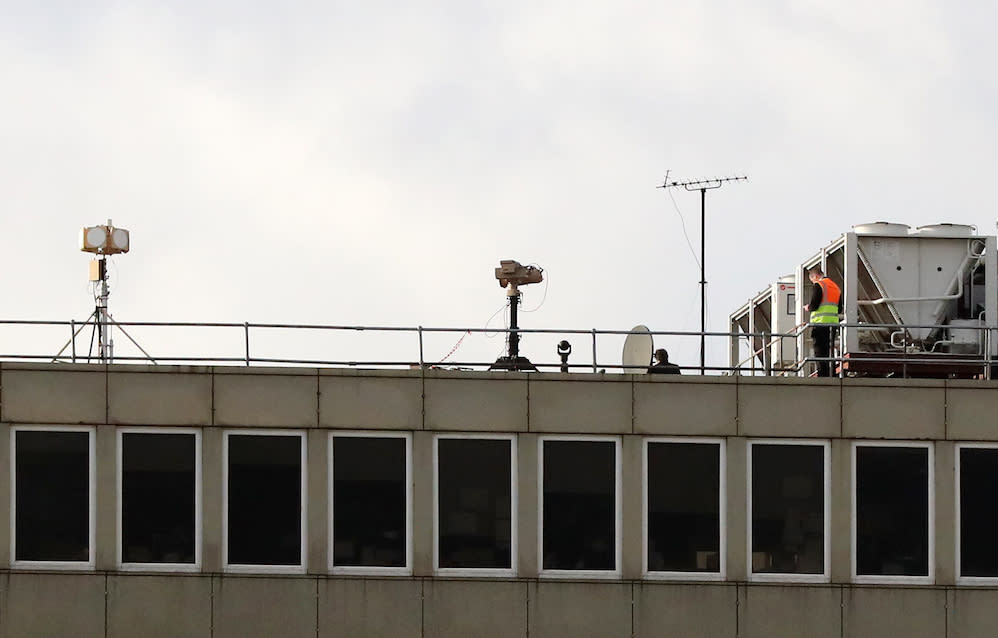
(370, 163)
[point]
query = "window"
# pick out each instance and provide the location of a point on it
(893, 528)
(976, 513)
(789, 510)
(580, 506)
(159, 505)
(53, 497)
(370, 502)
(264, 496)
(475, 479)
(684, 508)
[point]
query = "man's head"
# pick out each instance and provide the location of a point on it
(816, 274)
(661, 356)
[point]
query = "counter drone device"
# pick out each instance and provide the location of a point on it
(511, 275)
(103, 241)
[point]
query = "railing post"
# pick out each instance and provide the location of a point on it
(987, 353)
(419, 330)
(246, 331)
(72, 336)
(594, 350)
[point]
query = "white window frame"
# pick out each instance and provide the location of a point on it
(960, 579)
(362, 570)
(773, 577)
(265, 569)
(888, 579)
(618, 512)
(88, 564)
(722, 572)
(198, 488)
(492, 572)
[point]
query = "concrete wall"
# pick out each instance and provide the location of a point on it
(194, 606)
(212, 603)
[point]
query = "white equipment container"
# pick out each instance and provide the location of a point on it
(916, 302)
(766, 316)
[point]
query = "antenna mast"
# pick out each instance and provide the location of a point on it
(702, 185)
(103, 241)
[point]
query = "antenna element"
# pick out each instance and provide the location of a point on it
(702, 185)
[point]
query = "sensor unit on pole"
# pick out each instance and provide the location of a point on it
(511, 275)
(104, 240)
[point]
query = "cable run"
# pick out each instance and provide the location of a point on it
(682, 223)
(547, 280)
(454, 349)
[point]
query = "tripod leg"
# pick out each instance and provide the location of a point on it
(93, 333)
(134, 342)
(73, 338)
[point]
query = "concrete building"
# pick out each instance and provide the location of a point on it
(197, 501)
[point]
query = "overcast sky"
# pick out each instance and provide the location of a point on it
(371, 163)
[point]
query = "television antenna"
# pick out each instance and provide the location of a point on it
(702, 185)
(511, 275)
(103, 241)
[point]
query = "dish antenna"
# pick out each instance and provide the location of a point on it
(638, 348)
(511, 275)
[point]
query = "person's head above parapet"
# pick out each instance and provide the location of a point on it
(661, 356)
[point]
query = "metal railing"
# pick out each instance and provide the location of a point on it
(251, 344)
(80, 346)
(902, 356)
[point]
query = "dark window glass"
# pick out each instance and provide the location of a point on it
(579, 505)
(475, 503)
(158, 497)
(52, 483)
(788, 509)
(264, 486)
(684, 523)
(978, 512)
(369, 501)
(892, 511)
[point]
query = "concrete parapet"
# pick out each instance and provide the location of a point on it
(695, 406)
(587, 405)
(159, 398)
(254, 397)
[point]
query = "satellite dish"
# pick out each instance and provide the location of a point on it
(638, 347)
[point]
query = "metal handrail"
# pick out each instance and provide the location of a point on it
(421, 360)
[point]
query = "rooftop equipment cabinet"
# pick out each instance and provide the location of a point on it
(772, 311)
(915, 302)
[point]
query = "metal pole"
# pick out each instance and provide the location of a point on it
(514, 336)
(420, 331)
(703, 275)
(987, 353)
(246, 330)
(702, 185)
(594, 350)
(106, 343)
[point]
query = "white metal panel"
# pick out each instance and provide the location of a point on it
(916, 273)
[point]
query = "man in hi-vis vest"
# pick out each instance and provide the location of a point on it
(825, 306)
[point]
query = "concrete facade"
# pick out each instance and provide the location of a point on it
(212, 602)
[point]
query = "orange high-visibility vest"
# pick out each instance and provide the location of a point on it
(828, 311)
